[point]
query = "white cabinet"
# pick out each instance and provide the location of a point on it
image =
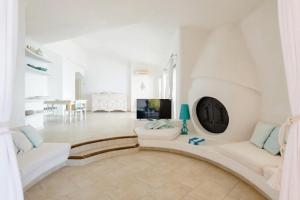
(109, 102)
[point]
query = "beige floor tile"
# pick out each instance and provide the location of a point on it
(171, 191)
(129, 189)
(220, 177)
(153, 178)
(243, 191)
(208, 190)
(97, 125)
(145, 175)
(89, 193)
(148, 197)
(189, 173)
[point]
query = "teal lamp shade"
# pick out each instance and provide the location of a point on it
(184, 112)
(184, 115)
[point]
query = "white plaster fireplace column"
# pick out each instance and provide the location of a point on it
(226, 71)
(242, 105)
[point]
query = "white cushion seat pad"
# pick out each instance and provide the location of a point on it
(249, 155)
(157, 134)
(269, 171)
(44, 154)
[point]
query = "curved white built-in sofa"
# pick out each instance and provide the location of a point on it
(251, 169)
(39, 162)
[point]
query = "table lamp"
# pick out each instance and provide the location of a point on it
(184, 116)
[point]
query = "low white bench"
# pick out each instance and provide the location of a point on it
(157, 134)
(228, 156)
(246, 153)
(39, 162)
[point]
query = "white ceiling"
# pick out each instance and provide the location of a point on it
(137, 30)
(52, 20)
(139, 43)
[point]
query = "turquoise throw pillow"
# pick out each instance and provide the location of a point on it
(151, 124)
(261, 134)
(158, 124)
(34, 137)
(272, 144)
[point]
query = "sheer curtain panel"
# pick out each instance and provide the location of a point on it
(10, 184)
(289, 18)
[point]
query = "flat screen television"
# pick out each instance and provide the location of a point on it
(154, 109)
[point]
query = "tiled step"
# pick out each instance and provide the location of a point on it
(95, 150)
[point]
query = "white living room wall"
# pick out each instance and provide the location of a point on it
(69, 70)
(185, 44)
(226, 57)
(192, 40)
(106, 75)
(55, 79)
(144, 86)
(261, 32)
(72, 59)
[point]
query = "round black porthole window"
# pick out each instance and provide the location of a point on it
(212, 115)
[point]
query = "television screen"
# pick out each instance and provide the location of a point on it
(154, 109)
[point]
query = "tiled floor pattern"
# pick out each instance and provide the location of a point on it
(146, 175)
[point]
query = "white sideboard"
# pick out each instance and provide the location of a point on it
(109, 102)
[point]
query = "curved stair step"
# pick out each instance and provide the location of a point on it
(103, 143)
(90, 151)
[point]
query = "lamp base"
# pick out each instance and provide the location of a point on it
(184, 129)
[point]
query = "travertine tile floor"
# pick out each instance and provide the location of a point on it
(146, 175)
(97, 125)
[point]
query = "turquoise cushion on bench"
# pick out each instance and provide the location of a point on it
(272, 144)
(261, 133)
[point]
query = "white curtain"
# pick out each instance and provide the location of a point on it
(8, 44)
(289, 18)
(10, 184)
(168, 72)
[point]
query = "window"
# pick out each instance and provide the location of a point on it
(174, 92)
(164, 85)
(160, 88)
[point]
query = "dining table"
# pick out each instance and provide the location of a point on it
(67, 103)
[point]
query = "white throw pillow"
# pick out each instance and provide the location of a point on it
(21, 141)
(34, 137)
(261, 133)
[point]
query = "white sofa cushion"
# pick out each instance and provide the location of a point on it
(32, 134)
(249, 155)
(157, 134)
(261, 133)
(42, 157)
(269, 171)
(272, 144)
(21, 141)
